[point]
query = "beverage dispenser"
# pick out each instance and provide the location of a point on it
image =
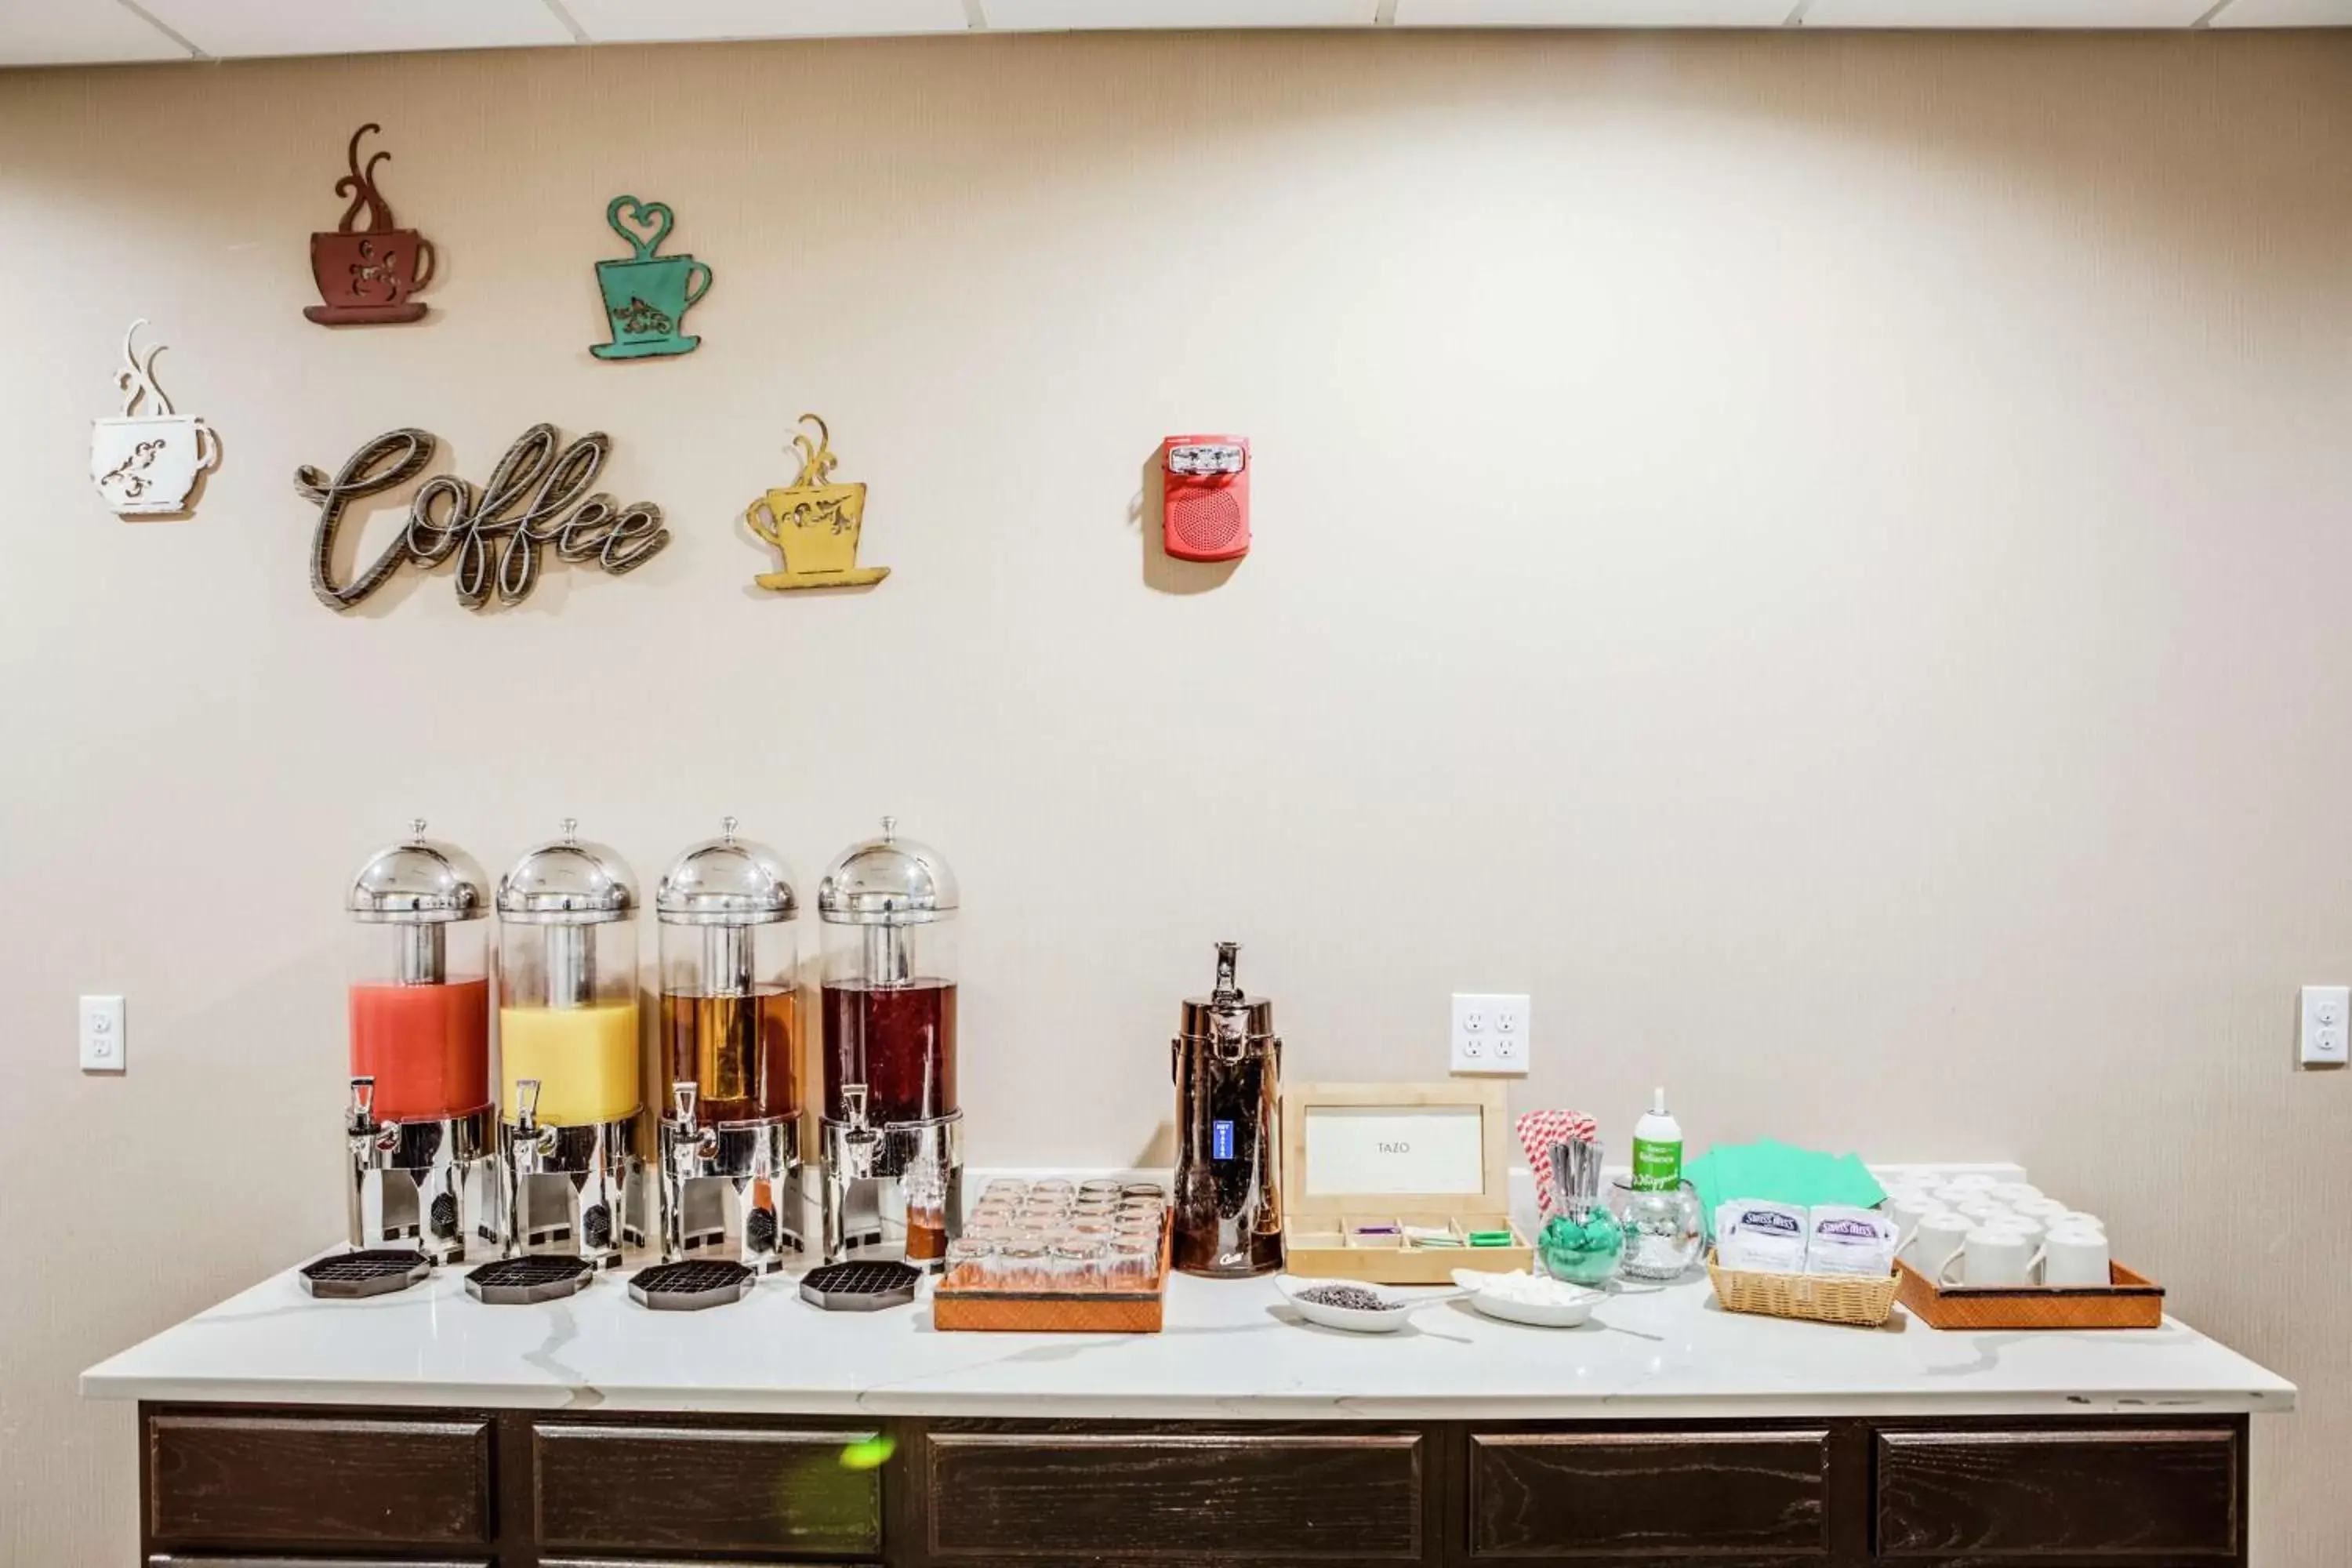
(568, 1058)
(730, 1042)
(419, 1119)
(1227, 1062)
(892, 1128)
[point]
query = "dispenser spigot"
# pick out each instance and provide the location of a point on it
(696, 1142)
(860, 1141)
(526, 1105)
(359, 1121)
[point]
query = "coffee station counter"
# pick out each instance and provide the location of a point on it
(1231, 1348)
(427, 1427)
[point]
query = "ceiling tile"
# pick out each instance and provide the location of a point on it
(2052, 14)
(646, 21)
(230, 28)
(1592, 13)
(2285, 14)
(1041, 15)
(77, 32)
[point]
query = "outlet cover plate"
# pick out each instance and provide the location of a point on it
(2325, 1024)
(103, 1048)
(1490, 1033)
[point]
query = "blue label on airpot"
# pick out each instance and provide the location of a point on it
(1221, 1140)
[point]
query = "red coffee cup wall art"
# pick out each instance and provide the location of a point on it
(367, 274)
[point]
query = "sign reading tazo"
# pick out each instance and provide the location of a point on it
(534, 499)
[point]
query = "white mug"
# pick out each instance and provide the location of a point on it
(2076, 1217)
(1992, 1255)
(1908, 1209)
(1981, 1207)
(2044, 1209)
(2032, 1229)
(2075, 1255)
(2015, 1193)
(1974, 1182)
(147, 464)
(1937, 1239)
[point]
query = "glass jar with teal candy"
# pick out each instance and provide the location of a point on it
(1582, 1242)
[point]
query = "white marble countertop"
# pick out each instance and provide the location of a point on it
(1230, 1349)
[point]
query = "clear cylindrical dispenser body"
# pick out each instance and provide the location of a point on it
(730, 982)
(889, 987)
(419, 997)
(568, 985)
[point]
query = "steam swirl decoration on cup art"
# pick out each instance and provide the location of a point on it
(535, 501)
(137, 378)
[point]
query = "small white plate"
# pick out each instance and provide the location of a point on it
(1355, 1321)
(1566, 1314)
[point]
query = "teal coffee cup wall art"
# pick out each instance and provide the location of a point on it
(647, 296)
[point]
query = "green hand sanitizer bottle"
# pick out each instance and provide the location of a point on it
(1657, 1149)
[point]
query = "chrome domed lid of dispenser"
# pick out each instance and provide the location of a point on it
(888, 880)
(419, 882)
(727, 881)
(566, 882)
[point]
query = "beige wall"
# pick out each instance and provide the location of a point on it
(1822, 559)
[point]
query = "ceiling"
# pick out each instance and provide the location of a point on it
(65, 32)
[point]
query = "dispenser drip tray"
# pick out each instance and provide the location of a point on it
(527, 1281)
(691, 1287)
(350, 1276)
(860, 1287)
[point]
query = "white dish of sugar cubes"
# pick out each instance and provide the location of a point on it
(1536, 1300)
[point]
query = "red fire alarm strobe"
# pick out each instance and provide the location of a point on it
(1206, 488)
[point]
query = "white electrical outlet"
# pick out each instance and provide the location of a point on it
(2324, 1025)
(1490, 1033)
(101, 1034)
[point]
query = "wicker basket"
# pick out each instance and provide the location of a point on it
(1822, 1298)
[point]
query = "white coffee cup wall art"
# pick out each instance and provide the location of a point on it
(147, 461)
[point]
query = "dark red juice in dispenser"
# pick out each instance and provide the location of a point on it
(897, 1040)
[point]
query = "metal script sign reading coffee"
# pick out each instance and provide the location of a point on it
(536, 502)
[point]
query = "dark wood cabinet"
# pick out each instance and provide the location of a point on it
(2123, 1496)
(604, 1488)
(1572, 1497)
(1195, 1496)
(214, 1560)
(231, 1486)
(329, 1482)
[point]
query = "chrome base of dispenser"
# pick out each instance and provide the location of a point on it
(417, 1183)
(565, 1189)
(738, 1183)
(864, 1191)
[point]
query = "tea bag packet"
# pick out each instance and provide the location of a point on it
(1757, 1236)
(1842, 1239)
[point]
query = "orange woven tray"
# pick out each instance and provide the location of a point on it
(2131, 1301)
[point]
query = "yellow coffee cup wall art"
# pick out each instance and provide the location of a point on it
(813, 523)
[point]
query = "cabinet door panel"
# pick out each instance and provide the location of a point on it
(2123, 1496)
(216, 1560)
(320, 1481)
(703, 1489)
(1753, 1496)
(1162, 1495)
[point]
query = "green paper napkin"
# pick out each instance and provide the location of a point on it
(1781, 1172)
